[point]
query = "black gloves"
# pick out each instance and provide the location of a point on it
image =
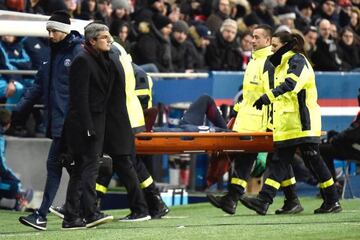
(359, 98)
(263, 100)
(275, 59)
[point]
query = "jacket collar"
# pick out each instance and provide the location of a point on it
(287, 56)
(263, 52)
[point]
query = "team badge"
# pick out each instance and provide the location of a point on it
(67, 62)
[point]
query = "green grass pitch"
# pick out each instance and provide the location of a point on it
(202, 221)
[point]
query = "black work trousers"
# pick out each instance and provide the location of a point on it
(123, 166)
(279, 166)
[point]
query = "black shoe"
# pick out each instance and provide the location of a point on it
(157, 207)
(226, 203)
(328, 208)
(135, 217)
(161, 211)
(34, 220)
(58, 211)
(290, 207)
(97, 219)
(257, 204)
(75, 224)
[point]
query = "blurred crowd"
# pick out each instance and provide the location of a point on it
(199, 35)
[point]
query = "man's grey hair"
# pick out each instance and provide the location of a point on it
(92, 30)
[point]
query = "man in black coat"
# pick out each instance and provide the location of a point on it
(91, 81)
(223, 52)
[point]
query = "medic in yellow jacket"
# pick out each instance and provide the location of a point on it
(296, 114)
(255, 84)
(135, 90)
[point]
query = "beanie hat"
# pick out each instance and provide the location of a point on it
(203, 31)
(285, 12)
(118, 4)
(59, 21)
(229, 23)
(181, 26)
(160, 21)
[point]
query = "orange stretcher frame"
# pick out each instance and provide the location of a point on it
(193, 142)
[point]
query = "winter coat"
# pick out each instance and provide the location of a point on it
(52, 85)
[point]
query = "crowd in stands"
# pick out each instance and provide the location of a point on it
(199, 35)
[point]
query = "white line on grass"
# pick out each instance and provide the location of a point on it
(18, 235)
(175, 217)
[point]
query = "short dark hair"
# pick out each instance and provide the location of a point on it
(267, 28)
(5, 117)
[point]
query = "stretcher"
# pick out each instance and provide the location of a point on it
(193, 142)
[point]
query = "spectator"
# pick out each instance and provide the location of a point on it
(355, 20)
(260, 10)
(334, 32)
(13, 57)
(325, 57)
(223, 52)
(349, 49)
(245, 49)
(200, 37)
(10, 185)
(154, 46)
(326, 10)
(181, 49)
(72, 7)
(121, 34)
(251, 21)
(119, 15)
(345, 7)
(88, 9)
(154, 7)
(221, 11)
(103, 12)
(304, 15)
(46, 7)
(286, 16)
(310, 37)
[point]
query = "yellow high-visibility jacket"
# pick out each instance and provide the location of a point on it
(296, 113)
(255, 84)
(133, 105)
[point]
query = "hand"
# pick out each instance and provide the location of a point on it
(10, 89)
(263, 100)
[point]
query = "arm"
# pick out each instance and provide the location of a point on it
(79, 82)
(294, 81)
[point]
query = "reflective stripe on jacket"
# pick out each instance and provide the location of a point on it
(296, 114)
(134, 108)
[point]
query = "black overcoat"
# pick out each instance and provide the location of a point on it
(90, 87)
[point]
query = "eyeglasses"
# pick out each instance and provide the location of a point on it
(108, 38)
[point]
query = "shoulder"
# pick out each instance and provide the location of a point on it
(297, 57)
